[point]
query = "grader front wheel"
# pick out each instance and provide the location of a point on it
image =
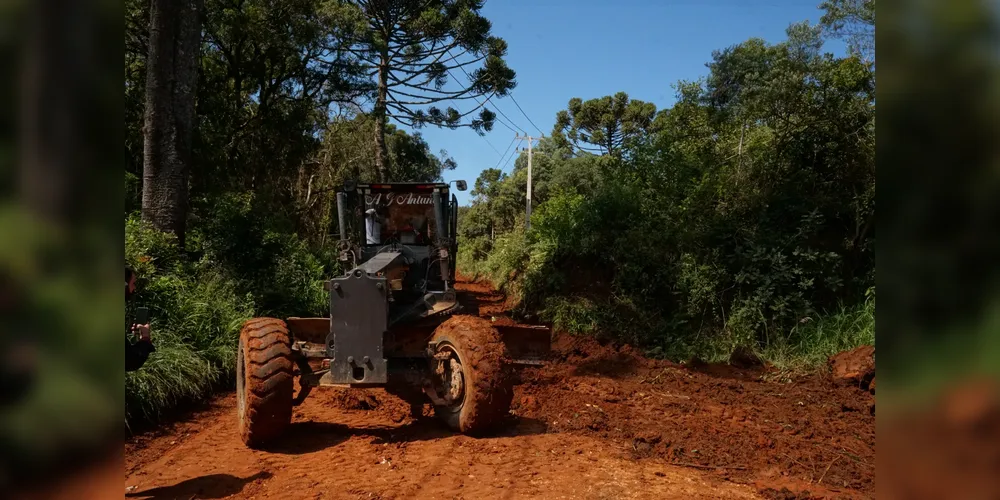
(264, 377)
(471, 387)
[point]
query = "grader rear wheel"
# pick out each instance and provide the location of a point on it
(472, 386)
(264, 376)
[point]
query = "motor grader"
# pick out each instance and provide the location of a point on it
(396, 321)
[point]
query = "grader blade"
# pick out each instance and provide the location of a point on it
(527, 344)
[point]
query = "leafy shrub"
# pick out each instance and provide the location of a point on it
(471, 253)
(196, 315)
(691, 279)
(150, 252)
(277, 268)
(508, 261)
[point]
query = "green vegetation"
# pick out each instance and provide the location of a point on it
(741, 216)
(276, 133)
(196, 313)
(813, 341)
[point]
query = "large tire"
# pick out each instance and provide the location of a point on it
(264, 380)
(485, 368)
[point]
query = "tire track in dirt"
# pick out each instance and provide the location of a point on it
(336, 453)
(597, 422)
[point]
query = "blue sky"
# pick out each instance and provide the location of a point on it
(562, 49)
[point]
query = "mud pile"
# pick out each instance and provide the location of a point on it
(813, 434)
(855, 368)
(377, 401)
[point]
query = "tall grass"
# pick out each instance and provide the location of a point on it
(175, 373)
(195, 328)
(234, 267)
(811, 343)
(196, 314)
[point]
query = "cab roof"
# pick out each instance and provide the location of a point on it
(414, 186)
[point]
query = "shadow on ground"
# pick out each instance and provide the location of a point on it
(210, 486)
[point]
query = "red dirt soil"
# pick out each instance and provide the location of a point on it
(855, 367)
(596, 422)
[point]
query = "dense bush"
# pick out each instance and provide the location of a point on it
(734, 218)
(248, 246)
(196, 315)
(234, 268)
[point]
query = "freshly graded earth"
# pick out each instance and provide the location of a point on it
(596, 422)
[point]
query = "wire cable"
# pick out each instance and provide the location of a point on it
(525, 114)
(494, 105)
(504, 155)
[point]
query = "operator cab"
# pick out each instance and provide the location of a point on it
(405, 233)
(400, 214)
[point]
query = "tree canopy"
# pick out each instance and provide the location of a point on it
(604, 125)
(411, 51)
(852, 21)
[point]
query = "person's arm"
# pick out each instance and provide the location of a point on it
(137, 354)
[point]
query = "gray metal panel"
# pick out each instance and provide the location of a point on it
(358, 316)
(381, 262)
(413, 252)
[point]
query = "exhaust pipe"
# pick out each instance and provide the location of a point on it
(440, 237)
(341, 215)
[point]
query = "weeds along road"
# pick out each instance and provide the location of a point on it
(597, 422)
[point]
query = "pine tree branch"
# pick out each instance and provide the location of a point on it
(403, 120)
(417, 86)
(432, 51)
(415, 12)
(421, 86)
(458, 66)
(444, 68)
(478, 107)
(402, 107)
(414, 74)
(392, 104)
(395, 54)
(457, 96)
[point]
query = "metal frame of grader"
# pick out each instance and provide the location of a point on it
(396, 321)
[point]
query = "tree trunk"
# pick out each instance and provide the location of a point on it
(54, 157)
(381, 171)
(171, 76)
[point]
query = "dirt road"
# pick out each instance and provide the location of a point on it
(597, 422)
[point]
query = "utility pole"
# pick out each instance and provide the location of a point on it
(527, 208)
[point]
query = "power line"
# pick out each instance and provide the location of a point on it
(497, 151)
(508, 119)
(525, 115)
(505, 152)
(509, 127)
(483, 104)
(506, 162)
(497, 108)
(491, 145)
(501, 121)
